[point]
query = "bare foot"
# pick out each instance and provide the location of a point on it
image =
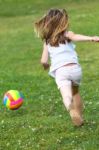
(76, 118)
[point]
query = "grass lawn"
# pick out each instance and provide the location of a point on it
(42, 123)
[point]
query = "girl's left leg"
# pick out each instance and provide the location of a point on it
(66, 92)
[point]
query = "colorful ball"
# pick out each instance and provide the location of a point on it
(13, 99)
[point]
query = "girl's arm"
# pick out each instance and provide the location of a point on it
(78, 37)
(44, 58)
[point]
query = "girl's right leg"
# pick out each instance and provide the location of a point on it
(64, 83)
(78, 104)
(66, 92)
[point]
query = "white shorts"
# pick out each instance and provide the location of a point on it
(67, 75)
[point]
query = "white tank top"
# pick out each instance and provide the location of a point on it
(61, 55)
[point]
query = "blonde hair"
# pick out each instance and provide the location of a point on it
(52, 27)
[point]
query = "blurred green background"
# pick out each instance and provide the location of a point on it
(42, 123)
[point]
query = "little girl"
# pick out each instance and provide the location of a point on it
(64, 67)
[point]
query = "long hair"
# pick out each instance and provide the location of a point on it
(52, 27)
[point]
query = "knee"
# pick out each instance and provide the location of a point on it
(67, 102)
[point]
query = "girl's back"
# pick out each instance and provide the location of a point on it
(61, 55)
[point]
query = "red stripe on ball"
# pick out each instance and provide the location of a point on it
(16, 104)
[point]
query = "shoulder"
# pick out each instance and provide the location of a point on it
(45, 46)
(69, 34)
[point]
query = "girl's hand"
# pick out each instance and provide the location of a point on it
(95, 39)
(78, 37)
(46, 66)
(44, 58)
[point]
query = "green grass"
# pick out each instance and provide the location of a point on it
(42, 123)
